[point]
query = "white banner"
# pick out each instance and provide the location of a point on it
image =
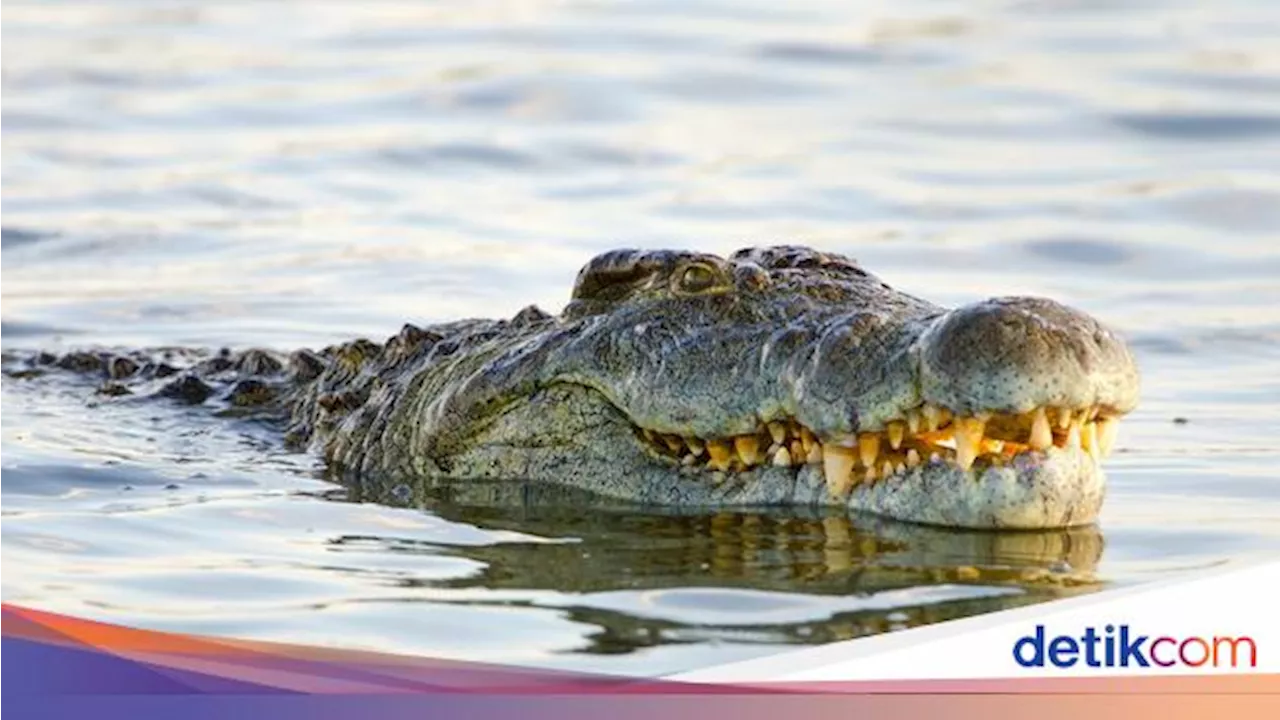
(1222, 621)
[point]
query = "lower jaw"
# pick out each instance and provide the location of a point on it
(1055, 488)
(1052, 489)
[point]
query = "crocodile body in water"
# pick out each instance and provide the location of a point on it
(777, 376)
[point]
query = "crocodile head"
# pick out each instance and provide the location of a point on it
(791, 376)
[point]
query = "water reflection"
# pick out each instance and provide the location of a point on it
(708, 556)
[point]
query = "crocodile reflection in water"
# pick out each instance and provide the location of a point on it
(786, 550)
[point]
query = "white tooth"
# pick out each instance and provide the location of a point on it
(688, 460)
(837, 466)
(1089, 439)
(1064, 418)
(913, 458)
(886, 470)
(900, 468)
(782, 458)
(778, 431)
(913, 421)
(815, 454)
(1041, 435)
(871, 475)
(895, 430)
(935, 456)
(1107, 428)
(748, 447)
(695, 445)
(1073, 435)
(868, 448)
(968, 439)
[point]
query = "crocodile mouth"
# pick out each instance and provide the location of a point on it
(924, 435)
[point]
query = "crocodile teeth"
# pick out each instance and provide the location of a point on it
(913, 458)
(748, 447)
(837, 466)
(674, 443)
(1073, 435)
(886, 470)
(913, 421)
(868, 448)
(797, 448)
(782, 458)
(1064, 418)
(815, 454)
(870, 475)
(932, 416)
(807, 439)
(895, 430)
(720, 454)
(695, 445)
(1089, 440)
(1041, 434)
(1107, 428)
(968, 440)
(778, 431)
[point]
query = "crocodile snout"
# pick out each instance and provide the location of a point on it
(1014, 354)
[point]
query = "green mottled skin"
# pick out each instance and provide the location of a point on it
(648, 343)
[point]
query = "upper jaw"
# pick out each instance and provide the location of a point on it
(1021, 390)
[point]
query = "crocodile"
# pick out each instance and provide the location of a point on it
(775, 376)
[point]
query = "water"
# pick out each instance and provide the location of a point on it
(290, 174)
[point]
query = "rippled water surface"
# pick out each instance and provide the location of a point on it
(290, 174)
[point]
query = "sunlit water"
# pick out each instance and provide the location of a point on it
(288, 174)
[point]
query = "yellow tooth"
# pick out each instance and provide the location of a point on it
(886, 470)
(868, 448)
(900, 468)
(748, 447)
(1089, 439)
(870, 475)
(1107, 428)
(797, 448)
(1064, 418)
(932, 416)
(913, 458)
(1041, 435)
(837, 465)
(895, 430)
(778, 431)
(782, 458)
(968, 440)
(674, 443)
(720, 454)
(913, 421)
(815, 454)
(695, 445)
(807, 439)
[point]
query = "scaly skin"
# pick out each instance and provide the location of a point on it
(675, 378)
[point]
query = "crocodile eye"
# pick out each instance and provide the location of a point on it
(697, 278)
